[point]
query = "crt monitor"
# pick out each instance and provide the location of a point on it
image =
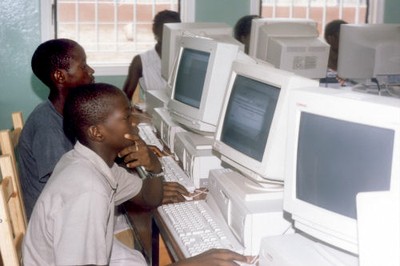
(251, 132)
(368, 51)
(340, 143)
(199, 82)
(173, 31)
(290, 44)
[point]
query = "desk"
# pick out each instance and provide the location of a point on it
(160, 228)
(140, 220)
(148, 226)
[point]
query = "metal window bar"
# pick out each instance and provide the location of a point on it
(116, 42)
(325, 5)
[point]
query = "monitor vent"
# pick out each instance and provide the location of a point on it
(296, 49)
(317, 49)
(304, 62)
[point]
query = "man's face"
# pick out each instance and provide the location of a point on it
(79, 72)
(118, 123)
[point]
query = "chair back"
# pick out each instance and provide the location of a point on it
(12, 224)
(17, 120)
(8, 142)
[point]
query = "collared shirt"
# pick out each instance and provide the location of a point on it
(73, 220)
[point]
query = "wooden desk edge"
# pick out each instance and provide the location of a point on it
(168, 238)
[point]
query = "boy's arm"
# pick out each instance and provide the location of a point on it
(139, 156)
(151, 194)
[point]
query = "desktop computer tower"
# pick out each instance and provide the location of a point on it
(197, 156)
(251, 212)
(300, 250)
(166, 127)
(155, 99)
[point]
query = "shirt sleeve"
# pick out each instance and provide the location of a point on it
(129, 185)
(80, 231)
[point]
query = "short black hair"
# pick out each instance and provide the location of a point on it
(87, 105)
(165, 16)
(243, 26)
(51, 55)
(333, 27)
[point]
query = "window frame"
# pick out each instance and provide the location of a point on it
(48, 32)
(187, 8)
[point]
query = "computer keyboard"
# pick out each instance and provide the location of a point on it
(196, 228)
(174, 173)
(148, 135)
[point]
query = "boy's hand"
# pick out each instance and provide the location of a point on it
(215, 257)
(138, 154)
(173, 192)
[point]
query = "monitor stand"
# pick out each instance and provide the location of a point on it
(382, 87)
(370, 86)
(250, 213)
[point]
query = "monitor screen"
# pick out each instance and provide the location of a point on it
(337, 159)
(191, 76)
(251, 132)
(249, 116)
(339, 143)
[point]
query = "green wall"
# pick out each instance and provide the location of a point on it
(228, 11)
(392, 11)
(20, 90)
(20, 35)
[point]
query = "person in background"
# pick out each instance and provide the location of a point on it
(147, 65)
(61, 65)
(331, 35)
(242, 30)
(72, 223)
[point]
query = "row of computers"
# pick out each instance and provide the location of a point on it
(283, 158)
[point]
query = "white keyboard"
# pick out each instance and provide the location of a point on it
(196, 228)
(148, 135)
(174, 173)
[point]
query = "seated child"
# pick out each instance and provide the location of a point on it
(72, 222)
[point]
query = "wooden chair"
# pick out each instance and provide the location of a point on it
(12, 225)
(17, 120)
(8, 142)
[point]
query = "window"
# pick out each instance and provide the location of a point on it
(324, 11)
(112, 32)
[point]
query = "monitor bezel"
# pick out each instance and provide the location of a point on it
(335, 229)
(172, 32)
(263, 172)
(204, 119)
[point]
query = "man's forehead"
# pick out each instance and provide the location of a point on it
(77, 52)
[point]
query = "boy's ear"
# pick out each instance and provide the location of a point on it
(95, 134)
(58, 76)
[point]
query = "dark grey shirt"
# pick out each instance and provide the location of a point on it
(41, 145)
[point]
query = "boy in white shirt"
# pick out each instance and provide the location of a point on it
(73, 220)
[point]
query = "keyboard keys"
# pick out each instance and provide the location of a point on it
(196, 228)
(148, 135)
(174, 173)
